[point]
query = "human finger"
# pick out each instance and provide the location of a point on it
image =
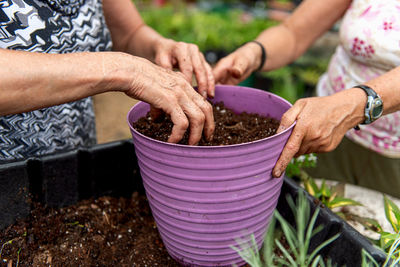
(290, 116)
(289, 151)
(195, 116)
(221, 69)
(295, 140)
(180, 122)
(210, 77)
(199, 70)
(164, 60)
(209, 124)
(181, 53)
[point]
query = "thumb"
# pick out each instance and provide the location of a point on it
(221, 70)
(236, 72)
(290, 116)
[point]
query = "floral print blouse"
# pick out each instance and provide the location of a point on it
(369, 47)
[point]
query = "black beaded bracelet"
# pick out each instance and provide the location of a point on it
(263, 54)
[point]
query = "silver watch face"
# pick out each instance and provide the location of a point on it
(376, 108)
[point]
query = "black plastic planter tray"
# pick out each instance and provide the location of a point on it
(111, 169)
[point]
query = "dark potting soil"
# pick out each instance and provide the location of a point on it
(230, 128)
(103, 232)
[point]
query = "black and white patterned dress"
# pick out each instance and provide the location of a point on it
(50, 26)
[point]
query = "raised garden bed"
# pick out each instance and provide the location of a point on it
(111, 170)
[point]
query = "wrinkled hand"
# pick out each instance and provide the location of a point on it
(171, 92)
(238, 65)
(321, 123)
(189, 60)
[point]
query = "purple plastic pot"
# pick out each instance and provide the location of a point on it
(205, 197)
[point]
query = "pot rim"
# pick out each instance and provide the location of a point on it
(213, 147)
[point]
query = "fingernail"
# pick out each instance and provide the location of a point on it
(277, 174)
(204, 94)
(281, 129)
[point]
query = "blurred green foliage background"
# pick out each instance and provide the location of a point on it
(222, 26)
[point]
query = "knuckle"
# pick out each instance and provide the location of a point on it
(292, 147)
(171, 98)
(208, 107)
(179, 94)
(199, 119)
(300, 101)
(183, 124)
(187, 68)
(194, 48)
(181, 45)
(285, 117)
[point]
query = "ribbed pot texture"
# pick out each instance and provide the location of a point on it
(203, 198)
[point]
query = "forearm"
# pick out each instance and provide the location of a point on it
(352, 102)
(288, 41)
(34, 80)
(387, 86)
(128, 31)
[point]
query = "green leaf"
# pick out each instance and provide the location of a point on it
(325, 190)
(341, 202)
(387, 239)
(311, 187)
(392, 213)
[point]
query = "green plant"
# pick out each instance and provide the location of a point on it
(9, 242)
(298, 239)
(392, 260)
(330, 196)
(333, 197)
(296, 165)
(209, 30)
(387, 239)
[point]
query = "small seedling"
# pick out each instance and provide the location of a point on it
(298, 239)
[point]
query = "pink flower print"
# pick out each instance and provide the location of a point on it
(338, 84)
(360, 48)
(387, 25)
(390, 24)
(371, 13)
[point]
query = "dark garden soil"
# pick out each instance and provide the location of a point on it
(230, 128)
(106, 231)
(102, 232)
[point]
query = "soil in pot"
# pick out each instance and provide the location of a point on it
(230, 128)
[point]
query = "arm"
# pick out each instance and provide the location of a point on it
(131, 35)
(321, 122)
(36, 80)
(283, 43)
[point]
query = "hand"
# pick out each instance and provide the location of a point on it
(189, 60)
(321, 123)
(169, 91)
(238, 65)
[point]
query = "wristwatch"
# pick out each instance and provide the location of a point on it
(374, 107)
